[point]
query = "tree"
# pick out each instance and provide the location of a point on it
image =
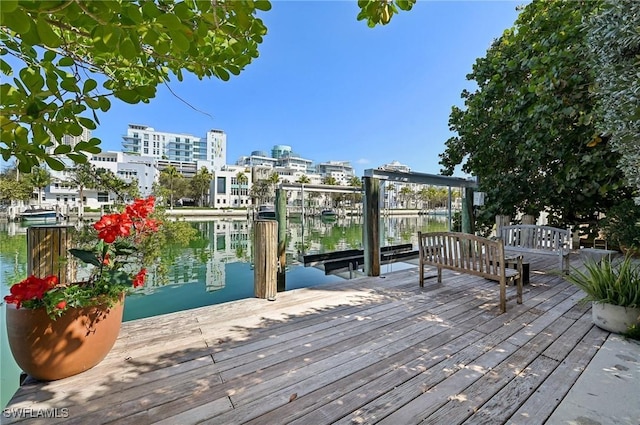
(40, 178)
(84, 177)
(63, 50)
(406, 195)
(200, 184)
(303, 179)
(14, 186)
(614, 47)
(242, 180)
(330, 180)
(526, 130)
(168, 177)
(261, 190)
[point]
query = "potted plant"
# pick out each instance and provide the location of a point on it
(57, 330)
(614, 290)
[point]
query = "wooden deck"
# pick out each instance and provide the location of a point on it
(370, 350)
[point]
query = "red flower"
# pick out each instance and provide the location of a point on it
(139, 279)
(61, 305)
(32, 288)
(105, 260)
(141, 208)
(113, 225)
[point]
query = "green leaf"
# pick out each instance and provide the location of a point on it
(46, 34)
(87, 257)
(104, 103)
(128, 49)
(54, 164)
(77, 158)
(16, 20)
(9, 5)
(62, 149)
(180, 41)
(66, 61)
(89, 85)
(87, 123)
(169, 21)
(128, 96)
(262, 5)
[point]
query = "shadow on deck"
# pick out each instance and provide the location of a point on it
(367, 350)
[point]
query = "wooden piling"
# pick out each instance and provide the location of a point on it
(281, 217)
(47, 252)
(265, 259)
(371, 231)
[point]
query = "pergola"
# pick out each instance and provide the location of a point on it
(373, 201)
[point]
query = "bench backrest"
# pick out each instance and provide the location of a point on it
(531, 236)
(462, 251)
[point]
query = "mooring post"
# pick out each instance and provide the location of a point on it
(467, 211)
(47, 252)
(266, 259)
(371, 232)
(281, 217)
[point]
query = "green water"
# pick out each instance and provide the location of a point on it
(215, 268)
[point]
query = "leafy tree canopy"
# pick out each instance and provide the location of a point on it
(66, 60)
(528, 130)
(614, 49)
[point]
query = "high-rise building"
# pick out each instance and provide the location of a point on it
(210, 151)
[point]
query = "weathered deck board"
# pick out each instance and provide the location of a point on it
(363, 351)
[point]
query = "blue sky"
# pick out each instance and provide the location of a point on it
(333, 88)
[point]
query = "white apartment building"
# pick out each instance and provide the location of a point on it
(64, 194)
(228, 191)
(341, 171)
(210, 151)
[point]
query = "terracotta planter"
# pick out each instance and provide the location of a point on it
(78, 340)
(614, 318)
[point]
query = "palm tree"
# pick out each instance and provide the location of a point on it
(40, 178)
(242, 179)
(83, 176)
(303, 179)
(200, 183)
(406, 194)
(389, 190)
(171, 174)
(330, 180)
(354, 181)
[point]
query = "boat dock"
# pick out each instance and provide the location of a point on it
(369, 350)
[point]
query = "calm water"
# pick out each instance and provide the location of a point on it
(214, 268)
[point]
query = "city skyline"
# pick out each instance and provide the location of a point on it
(334, 89)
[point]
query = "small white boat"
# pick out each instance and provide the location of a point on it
(266, 212)
(328, 212)
(38, 214)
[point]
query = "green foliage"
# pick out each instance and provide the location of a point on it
(14, 186)
(617, 284)
(69, 58)
(614, 51)
(622, 224)
(526, 130)
(380, 12)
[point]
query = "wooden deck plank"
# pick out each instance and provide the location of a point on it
(363, 351)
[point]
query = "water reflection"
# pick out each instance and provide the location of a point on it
(220, 243)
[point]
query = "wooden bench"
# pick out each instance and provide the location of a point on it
(534, 239)
(469, 254)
